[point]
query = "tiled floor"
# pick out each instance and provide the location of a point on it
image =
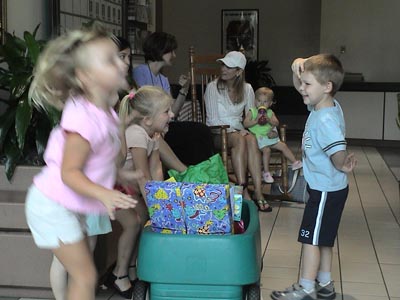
(367, 252)
(366, 262)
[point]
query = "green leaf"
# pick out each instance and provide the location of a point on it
(35, 30)
(19, 130)
(22, 121)
(13, 154)
(53, 115)
(6, 122)
(42, 132)
(19, 84)
(33, 47)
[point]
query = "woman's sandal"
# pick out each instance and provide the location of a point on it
(110, 283)
(261, 203)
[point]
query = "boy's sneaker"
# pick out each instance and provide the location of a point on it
(295, 292)
(326, 292)
(297, 165)
(267, 177)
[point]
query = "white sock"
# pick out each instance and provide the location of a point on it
(324, 278)
(308, 285)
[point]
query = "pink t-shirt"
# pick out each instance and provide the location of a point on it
(100, 129)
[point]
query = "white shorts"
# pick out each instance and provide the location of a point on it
(51, 223)
(264, 141)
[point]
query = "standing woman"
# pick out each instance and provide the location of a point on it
(227, 99)
(123, 275)
(191, 141)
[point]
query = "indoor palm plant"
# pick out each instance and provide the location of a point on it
(258, 74)
(24, 129)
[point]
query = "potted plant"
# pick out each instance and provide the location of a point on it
(257, 73)
(24, 129)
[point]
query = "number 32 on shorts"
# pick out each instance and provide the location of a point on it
(305, 233)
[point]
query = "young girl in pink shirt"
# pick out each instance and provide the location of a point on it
(79, 72)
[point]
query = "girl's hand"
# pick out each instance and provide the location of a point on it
(273, 133)
(243, 132)
(125, 177)
(298, 66)
(114, 199)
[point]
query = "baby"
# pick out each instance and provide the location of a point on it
(262, 122)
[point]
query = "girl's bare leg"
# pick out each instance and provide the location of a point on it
(266, 151)
(285, 150)
(143, 215)
(78, 261)
(128, 218)
(58, 279)
(59, 276)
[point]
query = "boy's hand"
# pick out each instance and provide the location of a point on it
(344, 161)
(349, 163)
(298, 66)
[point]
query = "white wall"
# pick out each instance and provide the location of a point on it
(287, 29)
(369, 29)
(25, 15)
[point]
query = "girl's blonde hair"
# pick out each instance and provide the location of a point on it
(54, 75)
(264, 91)
(145, 102)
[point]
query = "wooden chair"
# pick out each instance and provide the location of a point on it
(204, 69)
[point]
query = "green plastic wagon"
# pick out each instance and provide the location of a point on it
(201, 266)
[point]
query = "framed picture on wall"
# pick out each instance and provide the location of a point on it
(3, 20)
(240, 30)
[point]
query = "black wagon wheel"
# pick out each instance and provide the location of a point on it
(140, 290)
(252, 292)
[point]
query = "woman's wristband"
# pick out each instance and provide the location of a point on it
(182, 93)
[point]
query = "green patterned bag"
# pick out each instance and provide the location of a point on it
(208, 171)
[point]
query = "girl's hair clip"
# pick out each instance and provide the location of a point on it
(131, 95)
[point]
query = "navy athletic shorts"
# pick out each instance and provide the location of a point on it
(321, 217)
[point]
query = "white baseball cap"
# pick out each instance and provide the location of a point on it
(234, 59)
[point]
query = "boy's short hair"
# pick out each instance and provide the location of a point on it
(326, 68)
(264, 91)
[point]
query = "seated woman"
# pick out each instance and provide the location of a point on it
(191, 141)
(227, 99)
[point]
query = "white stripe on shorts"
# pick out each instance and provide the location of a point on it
(318, 221)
